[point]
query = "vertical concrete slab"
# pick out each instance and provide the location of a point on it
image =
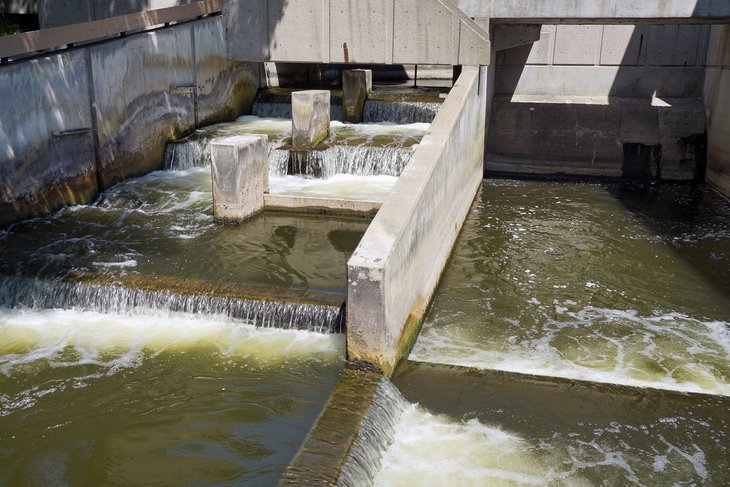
(357, 84)
(46, 146)
(624, 45)
(717, 107)
(361, 32)
(299, 30)
(424, 34)
(240, 172)
(310, 118)
(673, 45)
(578, 44)
(247, 29)
(225, 89)
(138, 101)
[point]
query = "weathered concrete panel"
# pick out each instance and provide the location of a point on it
(395, 269)
(673, 45)
(137, 107)
(248, 29)
(225, 89)
(39, 171)
(578, 44)
(299, 30)
(373, 44)
(424, 35)
(624, 45)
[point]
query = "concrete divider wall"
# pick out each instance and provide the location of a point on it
(145, 89)
(395, 268)
(717, 108)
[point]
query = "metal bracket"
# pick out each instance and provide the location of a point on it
(183, 90)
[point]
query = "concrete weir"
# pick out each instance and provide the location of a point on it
(394, 271)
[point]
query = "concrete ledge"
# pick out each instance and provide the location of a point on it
(395, 269)
(324, 206)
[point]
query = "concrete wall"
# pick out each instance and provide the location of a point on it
(112, 107)
(569, 102)
(347, 31)
(717, 105)
(394, 271)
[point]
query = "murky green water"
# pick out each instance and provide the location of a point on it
(612, 283)
(162, 225)
(95, 399)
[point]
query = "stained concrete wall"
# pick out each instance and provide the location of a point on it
(717, 103)
(394, 271)
(569, 102)
(122, 100)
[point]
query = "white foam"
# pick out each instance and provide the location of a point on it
(346, 186)
(669, 351)
(115, 340)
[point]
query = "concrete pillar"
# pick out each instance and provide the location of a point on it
(240, 171)
(310, 118)
(357, 84)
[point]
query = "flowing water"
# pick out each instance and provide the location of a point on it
(107, 399)
(611, 283)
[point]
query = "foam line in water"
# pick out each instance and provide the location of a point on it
(656, 351)
(65, 338)
(345, 186)
(43, 294)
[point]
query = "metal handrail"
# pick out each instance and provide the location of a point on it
(54, 38)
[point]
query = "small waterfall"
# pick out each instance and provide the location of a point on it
(358, 160)
(193, 151)
(44, 294)
(400, 112)
(375, 435)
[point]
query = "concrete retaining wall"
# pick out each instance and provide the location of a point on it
(395, 269)
(145, 89)
(717, 103)
(54, 13)
(571, 101)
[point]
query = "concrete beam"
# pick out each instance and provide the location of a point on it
(345, 31)
(509, 36)
(240, 170)
(598, 11)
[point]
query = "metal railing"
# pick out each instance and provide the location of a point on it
(55, 38)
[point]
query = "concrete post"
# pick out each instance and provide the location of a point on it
(240, 171)
(357, 84)
(310, 118)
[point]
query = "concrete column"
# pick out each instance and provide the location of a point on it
(357, 84)
(310, 118)
(240, 171)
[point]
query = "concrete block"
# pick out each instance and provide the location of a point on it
(137, 107)
(310, 118)
(240, 171)
(475, 49)
(351, 41)
(640, 125)
(624, 45)
(357, 84)
(47, 155)
(578, 44)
